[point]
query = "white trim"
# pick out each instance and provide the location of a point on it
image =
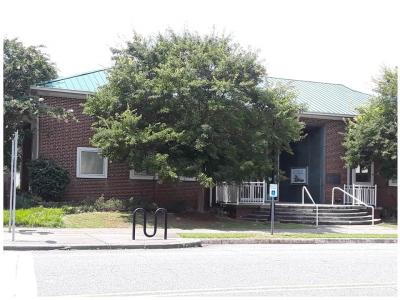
(328, 116)
(144, 176)
(353, 177)
(392, 182)
(79, 150)
(141, 175)
(73, 94)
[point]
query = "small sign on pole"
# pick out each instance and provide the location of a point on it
(273, 193)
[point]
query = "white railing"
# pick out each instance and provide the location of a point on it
(358, 201)
(366, 193)
(252, 192)
(227, 193)
(304, 189)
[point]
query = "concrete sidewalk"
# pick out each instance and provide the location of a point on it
(120, 238)
(90, 238)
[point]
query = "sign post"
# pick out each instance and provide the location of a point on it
(13, 183)
(273, 192)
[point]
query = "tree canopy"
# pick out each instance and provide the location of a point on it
(194, 106)
(22, 67)
(372, 135)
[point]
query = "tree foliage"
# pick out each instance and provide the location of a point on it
(23, 67)
(372, 135)
(191, 105)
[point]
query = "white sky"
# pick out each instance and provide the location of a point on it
(334, 41)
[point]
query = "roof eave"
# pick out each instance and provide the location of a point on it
(327, 116)
(74, 94)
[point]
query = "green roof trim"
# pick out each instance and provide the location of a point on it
(318, 97)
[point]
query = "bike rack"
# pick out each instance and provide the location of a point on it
(159, 210)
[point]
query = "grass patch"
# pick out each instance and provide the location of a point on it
(175, 221)
(97, 220)
(212, 235)
(36, 217)
(220, 235)
(388, 225)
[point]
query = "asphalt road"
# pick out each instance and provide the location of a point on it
(224, 270)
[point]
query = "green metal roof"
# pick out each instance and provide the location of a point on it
(322, 97)
(318, 97)
(86, 82)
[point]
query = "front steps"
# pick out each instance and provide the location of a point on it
(306, 214)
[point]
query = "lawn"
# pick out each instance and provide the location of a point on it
(392, 225)
(36, 217)
(226, 235)
(181, 221)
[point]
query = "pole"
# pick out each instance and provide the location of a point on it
(11, 186)
(272, 215)
(15, 184)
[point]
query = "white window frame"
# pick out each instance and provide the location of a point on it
(133, 175)
(78, 164)
(392, 182)
(353, 177)
(142, 176)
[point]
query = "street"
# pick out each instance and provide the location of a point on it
(220, 270)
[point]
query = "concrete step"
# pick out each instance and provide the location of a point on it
(367, 217)
(364, 222)
(361, 213)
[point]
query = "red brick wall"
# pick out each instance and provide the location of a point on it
(59, 141)
(334, 151)
(387, 195)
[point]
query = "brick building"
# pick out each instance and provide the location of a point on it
(316, 162)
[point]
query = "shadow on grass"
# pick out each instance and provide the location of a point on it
(194, 220)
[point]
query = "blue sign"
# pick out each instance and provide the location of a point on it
(273, 190)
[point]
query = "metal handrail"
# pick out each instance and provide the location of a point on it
(354, 198)
(316, 205)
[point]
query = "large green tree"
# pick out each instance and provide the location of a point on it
(22, 67)
(191, 105)
(372, 135)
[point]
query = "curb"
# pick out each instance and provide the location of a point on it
(299, 241)
(190, 244)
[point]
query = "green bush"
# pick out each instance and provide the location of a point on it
(175, 206)
(133, 203)
(36, 217)
(48, 180)
(102, 204)
(26, 200)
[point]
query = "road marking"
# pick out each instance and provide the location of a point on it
(247, 289)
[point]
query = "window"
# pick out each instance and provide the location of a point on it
(364, 175)
(393, 182)
(143, 175)
(90, 164)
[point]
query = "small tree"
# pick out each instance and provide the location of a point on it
(190, 105)
(23, 67)
(372, 135)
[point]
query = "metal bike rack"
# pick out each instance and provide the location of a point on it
(159, 210)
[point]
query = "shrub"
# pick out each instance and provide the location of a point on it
(133, 203)
(175, 206)
(26, 200)
(48, 180)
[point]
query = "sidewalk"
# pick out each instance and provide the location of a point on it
(120, 238)
(90, 238)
